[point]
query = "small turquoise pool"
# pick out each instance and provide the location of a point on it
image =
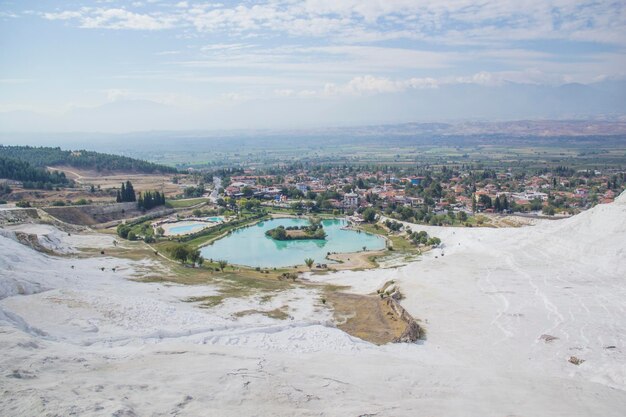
(186, 228)
(216, 219)
(249, 246)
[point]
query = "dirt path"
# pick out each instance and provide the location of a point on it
(76, 175)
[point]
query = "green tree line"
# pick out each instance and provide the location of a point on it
(42, 157)
(31, 177)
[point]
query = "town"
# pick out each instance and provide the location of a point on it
(445, 195)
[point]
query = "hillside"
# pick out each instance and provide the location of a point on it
(505, 311)
(32, 177)
(42, 157)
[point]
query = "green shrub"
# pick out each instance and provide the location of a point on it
(123, 231)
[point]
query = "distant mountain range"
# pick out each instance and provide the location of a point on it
(510, 101)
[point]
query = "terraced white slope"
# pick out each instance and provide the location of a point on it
(504, 309)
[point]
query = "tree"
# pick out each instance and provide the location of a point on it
(369, 215)
(123, 230)
(536, 204)
(222, 263)
(434, 241)
(193, 256)
(505, 203)
(150, 199)
(126, 193)
(485, 200)
(130, 192)
(462, 216)
(181, 253)
(160, 231)
(309, 262)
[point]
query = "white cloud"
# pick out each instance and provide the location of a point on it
(166, 53)
(115, 94)
(225, 47)
(451, 21)
(366, 85)
(114, 19)
(66, 15)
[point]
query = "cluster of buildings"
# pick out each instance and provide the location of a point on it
(459, 192)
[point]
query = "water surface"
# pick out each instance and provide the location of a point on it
(186, 228)
(249, 246)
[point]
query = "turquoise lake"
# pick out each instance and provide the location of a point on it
(249, 246)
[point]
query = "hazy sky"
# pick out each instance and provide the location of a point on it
(147, 65)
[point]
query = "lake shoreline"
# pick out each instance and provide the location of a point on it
(250, 255)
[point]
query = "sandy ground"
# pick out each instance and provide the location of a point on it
(504, 310)
(354, 260)
(141, 182)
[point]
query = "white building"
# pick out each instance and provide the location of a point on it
(302, 188)
(351, 200)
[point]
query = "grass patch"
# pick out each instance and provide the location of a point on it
(373, 229)
(277, 313)
(185, 203)
(232, 285)
(398, 242)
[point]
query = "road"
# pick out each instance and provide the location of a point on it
(217, 184)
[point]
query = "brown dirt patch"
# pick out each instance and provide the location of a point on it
(107, 180)
(355, 260)
(367, 317)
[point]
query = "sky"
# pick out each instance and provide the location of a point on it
(118, 66)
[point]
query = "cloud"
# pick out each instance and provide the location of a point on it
(101, 18)
(447, 22)
(367, 85)
(225, 47)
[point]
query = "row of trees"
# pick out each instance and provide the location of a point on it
(193, 192)
(126, 193)
(184, 253)
(500, 204)
(150, 199)
(145, 201)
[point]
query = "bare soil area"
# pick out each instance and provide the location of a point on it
(367, 317)
(113, 180)
(354, 260)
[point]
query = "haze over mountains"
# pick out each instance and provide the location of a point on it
(510, 101)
